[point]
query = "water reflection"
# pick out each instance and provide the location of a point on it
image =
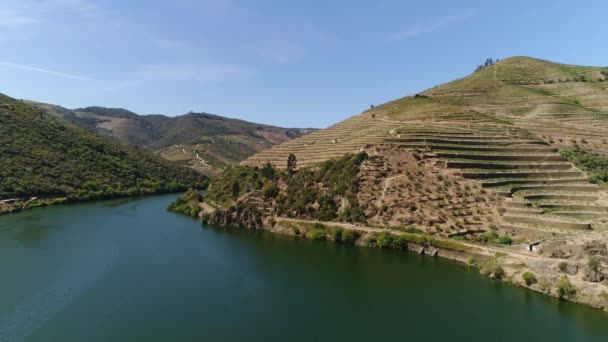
(33, 235)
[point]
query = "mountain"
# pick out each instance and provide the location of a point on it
(45, 156)
(505, 169)
(532, 131)
(205, 142)
(563, 105)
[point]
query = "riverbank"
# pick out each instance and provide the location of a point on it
(516, 267)
(14, 205)
(128, 270)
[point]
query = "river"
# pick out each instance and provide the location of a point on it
(128, 270)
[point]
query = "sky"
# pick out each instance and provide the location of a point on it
(288, 63)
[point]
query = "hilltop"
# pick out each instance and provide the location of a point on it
(205, 142)
(513, 155)
(49, 158)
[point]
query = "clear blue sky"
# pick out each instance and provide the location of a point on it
(290, 63)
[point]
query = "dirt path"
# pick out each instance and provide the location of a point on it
(387, 183)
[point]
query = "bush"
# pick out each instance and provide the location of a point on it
(565, 289)
(492, 268)
(270, 190)
(384, 240)
(529, 278)
(505, 240)
(563, 266)
(317, 234)
(471, 261)
(349, 236)
(335, 234)
(594, 263)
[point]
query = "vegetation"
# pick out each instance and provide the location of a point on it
(220, 141)
(388, 240)
(487, 63)
(188, 204)
(529, 278)
(313, 193)
(317, 234)
(349, 236)
(492, 268)
(492, 238)
(292, 163)
(594, 164)
(594, 263)
(471, 261)
(44, 156)
(321, 232)
(564, 288)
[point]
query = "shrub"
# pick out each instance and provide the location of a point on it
(372, 238)
(564, 288)
(594, 263)
(529, 278)
(471, 261)
(384, 240)
(270, 190)
(335, 234)
(349, 236)
(399, 242)
(492, 268)
(317, 234)
(545, 285)
(505, 240)
(563, 266)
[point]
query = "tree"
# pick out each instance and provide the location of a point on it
(292, 163)
(487, 63)
(268, 171)
(236, 188)
(327, 208)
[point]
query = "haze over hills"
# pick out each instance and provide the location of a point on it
(205, 142)
(44, 156)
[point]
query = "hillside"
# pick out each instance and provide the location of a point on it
(44, 156)
(205, 142)
(513, 155)
(506, 127)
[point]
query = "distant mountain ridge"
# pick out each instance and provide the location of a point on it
(205, 142)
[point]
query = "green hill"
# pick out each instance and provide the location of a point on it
(203, 141)
(45, 156)
(531, 131)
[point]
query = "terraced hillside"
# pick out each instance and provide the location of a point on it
(205, 142)
(502, 127)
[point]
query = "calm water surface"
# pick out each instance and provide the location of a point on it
(128, 270)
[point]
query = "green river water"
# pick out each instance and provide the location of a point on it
(128, 270)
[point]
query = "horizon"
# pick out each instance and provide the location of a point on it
(289, 65)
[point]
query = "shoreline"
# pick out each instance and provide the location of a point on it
(23, 204)
(511, 263)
